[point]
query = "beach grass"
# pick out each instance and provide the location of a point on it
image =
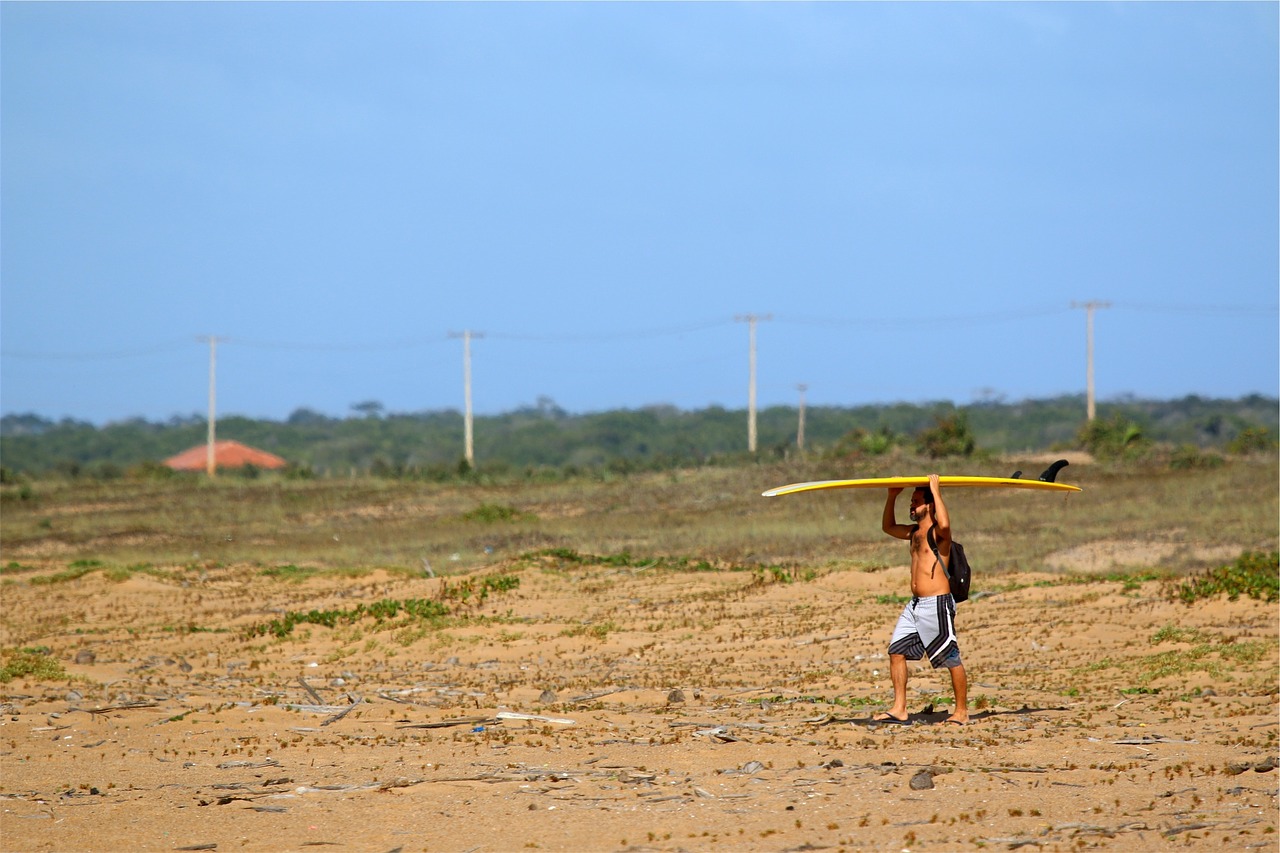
(1180, 519)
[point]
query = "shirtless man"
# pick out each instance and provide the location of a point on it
(927, 624)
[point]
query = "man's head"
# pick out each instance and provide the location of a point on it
(921, 502)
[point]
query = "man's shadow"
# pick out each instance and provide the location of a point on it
(930, 717)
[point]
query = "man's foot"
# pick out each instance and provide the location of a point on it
(886, 717)
(955, 721)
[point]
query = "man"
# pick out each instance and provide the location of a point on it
(927, 624)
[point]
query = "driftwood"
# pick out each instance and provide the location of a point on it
(127, 706)
(315, 697)
(536, 718)
(359, 701)
(597, 695)
(457, 721)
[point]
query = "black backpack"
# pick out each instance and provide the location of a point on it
(959, 574)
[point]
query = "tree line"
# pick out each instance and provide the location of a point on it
(544, 437)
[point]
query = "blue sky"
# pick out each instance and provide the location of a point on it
(915, 195)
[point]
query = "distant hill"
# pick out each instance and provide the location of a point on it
(545, 436)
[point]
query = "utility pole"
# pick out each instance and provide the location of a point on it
(751, 320)
(210, 457)
(468, 442)
(1089, 308)
(800, 429)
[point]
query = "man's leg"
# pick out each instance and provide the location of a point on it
(905, 641)
(960, 686)
(898, 675)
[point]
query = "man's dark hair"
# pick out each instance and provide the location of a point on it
(926, 493)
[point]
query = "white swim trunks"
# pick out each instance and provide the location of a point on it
(927, 626)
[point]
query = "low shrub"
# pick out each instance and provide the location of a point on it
(1254, 574)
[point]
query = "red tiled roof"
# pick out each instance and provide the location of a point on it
(228, 454)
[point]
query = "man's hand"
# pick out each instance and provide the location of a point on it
(894, 491)
(934, 483)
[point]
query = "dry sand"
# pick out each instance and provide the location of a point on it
(669, 711)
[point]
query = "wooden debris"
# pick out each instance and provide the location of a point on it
(126, 706)
(343, 713)
(719, 734)
(457, 721)
(536, 718)
(315, 697)
(317, 709)
(230, 765)
(600, 694)
(1149, 739)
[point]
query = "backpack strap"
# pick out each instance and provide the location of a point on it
(928, 535)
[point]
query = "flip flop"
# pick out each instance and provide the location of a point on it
(950, 722)
(891, 720)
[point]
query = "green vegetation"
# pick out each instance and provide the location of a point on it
(492, 513)
(291, 572)
(546, 442)
(29, 663)
(704, 519)
(466, 589)
(1216, 659)
(77, 569)
(1254, 574)
(949, 436)
(381, 612)
(558, 558)
(1252, 440)
(1116, 437)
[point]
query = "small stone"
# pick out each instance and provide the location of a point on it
(675, 696)
(922, 781)
(85, 657)
(547, 697)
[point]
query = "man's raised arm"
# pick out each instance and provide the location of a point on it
(941, 518)
(889, 521)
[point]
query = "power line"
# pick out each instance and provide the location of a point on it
(638, 334)
(908, 321)
(404, 343)
(1151, 308)
(98, 356)
(953, 320)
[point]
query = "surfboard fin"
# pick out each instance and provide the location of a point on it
(1015, 475)
(1051, 473)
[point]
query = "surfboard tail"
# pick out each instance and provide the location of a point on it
(1051, 473)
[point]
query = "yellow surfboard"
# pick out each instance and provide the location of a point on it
(950, 482)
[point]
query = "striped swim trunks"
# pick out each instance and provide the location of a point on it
(927, 626)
